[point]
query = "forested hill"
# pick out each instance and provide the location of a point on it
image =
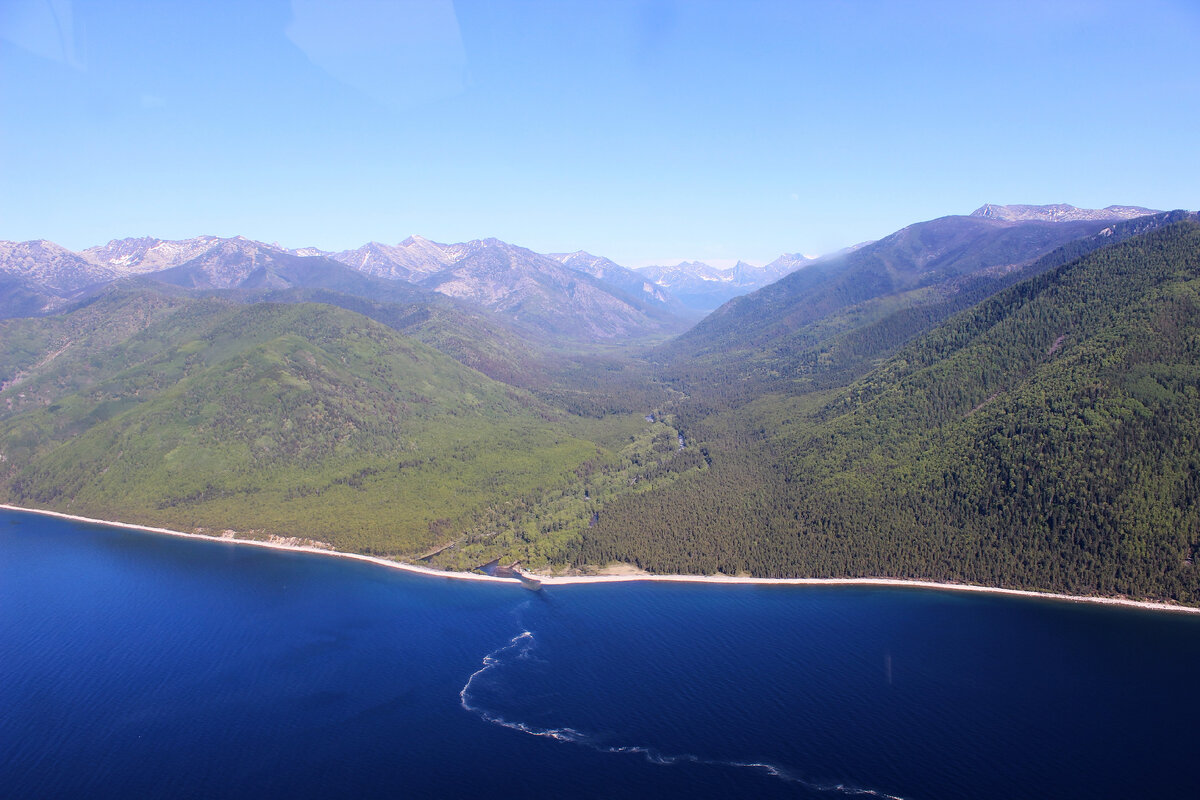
(310, 421)
(922, 254)
(786, 343)
(1048, 438)
(296, 420)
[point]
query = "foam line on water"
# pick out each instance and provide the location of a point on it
(520, 647)
(521, 643)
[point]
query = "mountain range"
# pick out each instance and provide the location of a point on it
(533, 290)
(576, 295)
(1005, 397)
(703, 289)
(573, 295)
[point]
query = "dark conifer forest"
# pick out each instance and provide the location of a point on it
(1048, 438)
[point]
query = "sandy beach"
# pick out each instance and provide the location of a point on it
(627, 576)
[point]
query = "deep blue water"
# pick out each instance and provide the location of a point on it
(140, 665)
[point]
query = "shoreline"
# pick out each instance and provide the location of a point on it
(569, 580)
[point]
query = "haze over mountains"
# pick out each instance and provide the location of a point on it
(703, 288)
(531, 289)
(577, 295)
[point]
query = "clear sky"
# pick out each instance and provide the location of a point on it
(649, 131)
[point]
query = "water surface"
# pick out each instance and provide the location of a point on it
(134, 664)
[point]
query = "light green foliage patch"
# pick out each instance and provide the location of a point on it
(296, 420)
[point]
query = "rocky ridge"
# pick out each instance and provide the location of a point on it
(1059, 212)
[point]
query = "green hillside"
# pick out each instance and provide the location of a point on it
(291, 420)
(587, 379)
(475, 337)
(1048, 438)
(827, 324)
(922, 255)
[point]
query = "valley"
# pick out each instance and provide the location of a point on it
(1004, 399)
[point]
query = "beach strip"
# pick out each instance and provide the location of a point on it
(383, 562)
(570, 580)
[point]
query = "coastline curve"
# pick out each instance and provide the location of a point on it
(561, 580)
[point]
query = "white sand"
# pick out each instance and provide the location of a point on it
(553, 580)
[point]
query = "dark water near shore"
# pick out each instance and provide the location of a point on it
(141, 665)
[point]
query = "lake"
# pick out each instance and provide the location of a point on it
(134, 664)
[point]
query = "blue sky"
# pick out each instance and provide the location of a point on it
(646, 131)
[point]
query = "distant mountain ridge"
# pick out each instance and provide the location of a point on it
(51, 267)
(579, 296)
(704, 288)
(136, 256)
(536, 289)
(586, 300)
(630, 281)
(411, 260)
(1060, 212)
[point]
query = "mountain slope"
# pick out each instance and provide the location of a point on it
(245, 264)
(479, 339)
(540, 292)
(575, 295)
(920, 255)
(412, 260)
(822, 326)
(300, 420)
(1047, 439)
(629, 281)
(20, 297)
(51, 269)
(137, 256)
